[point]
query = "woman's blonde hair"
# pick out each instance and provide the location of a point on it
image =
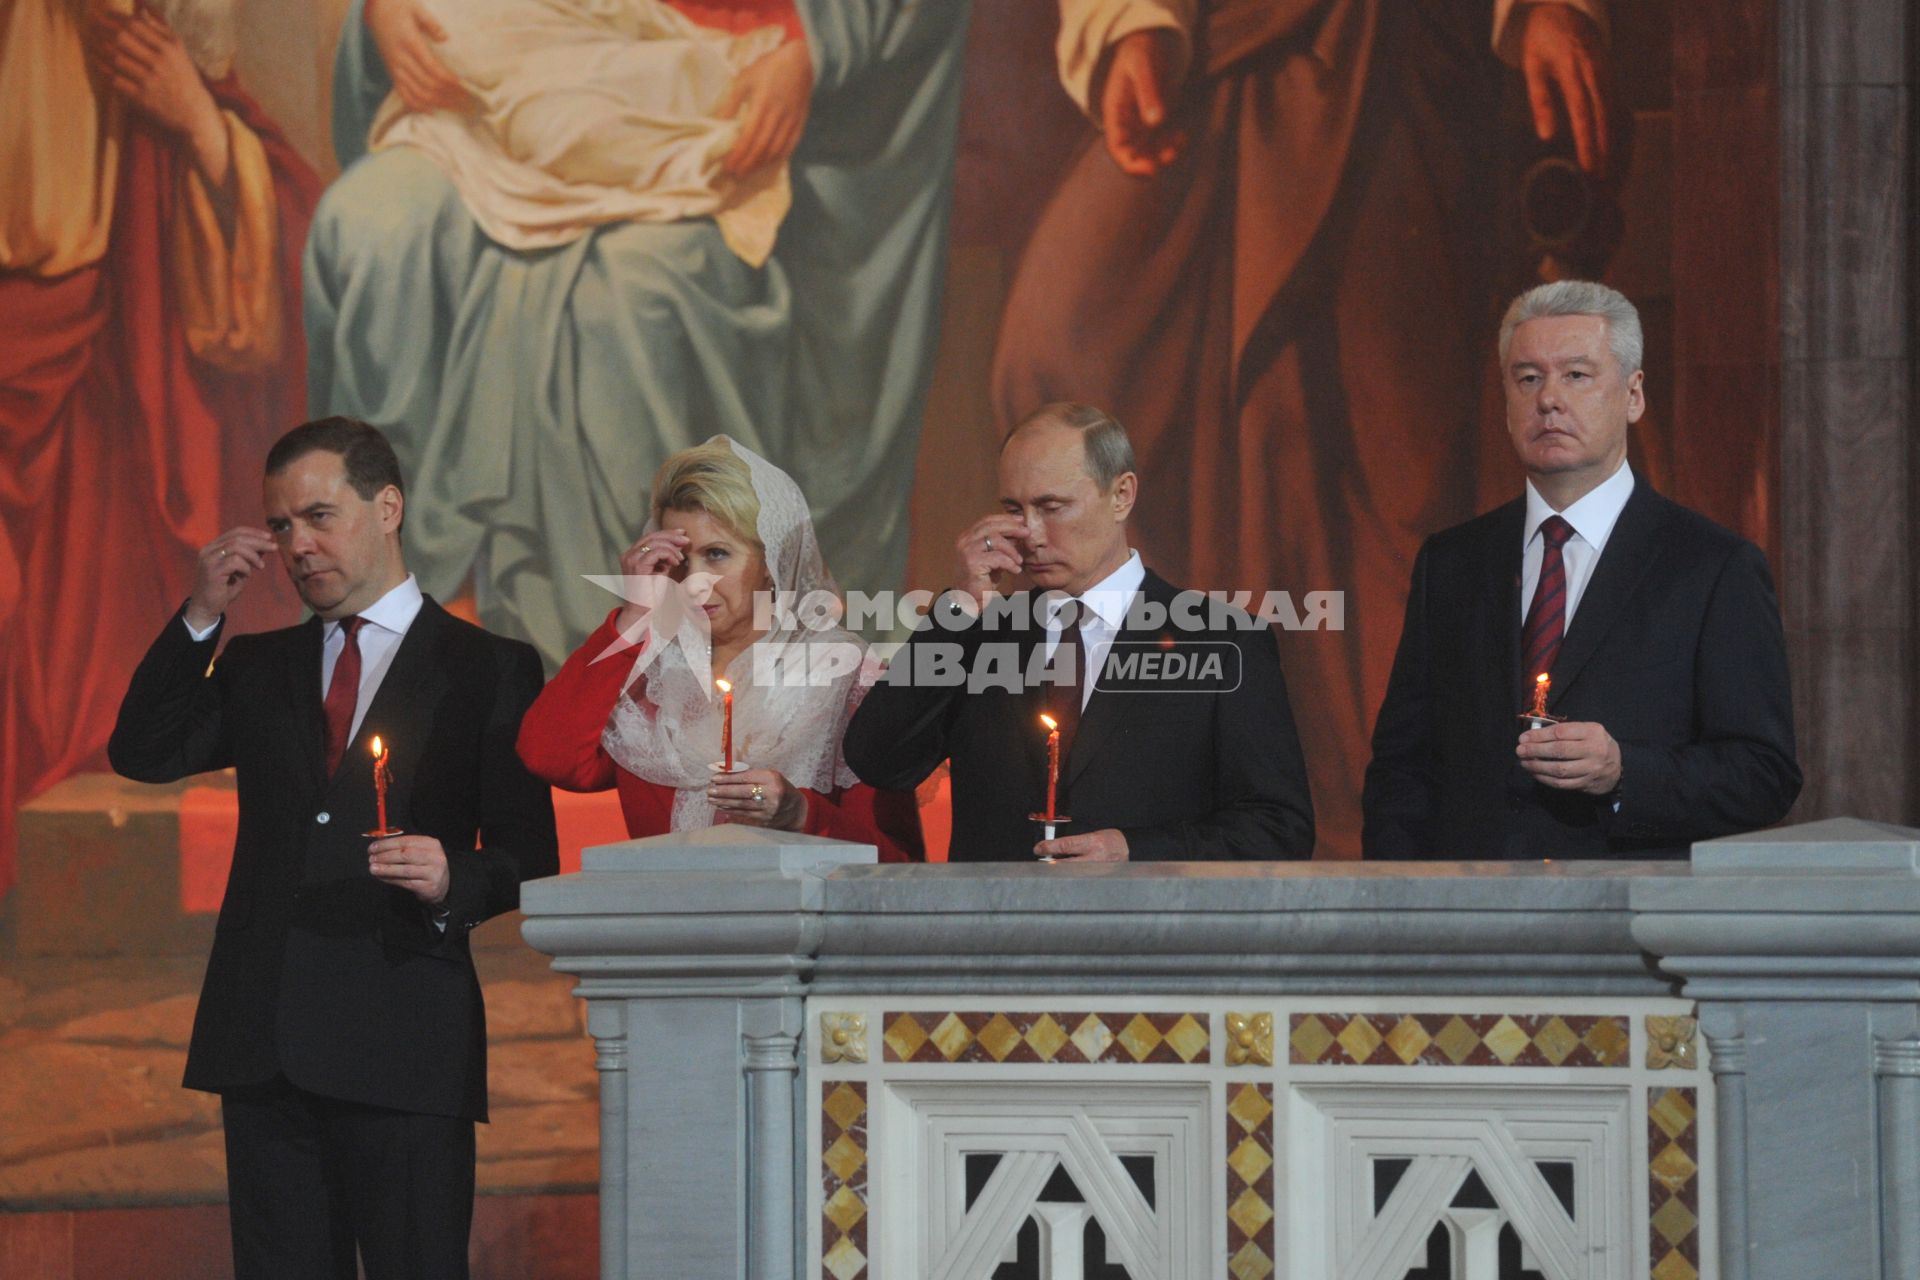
(712, 478)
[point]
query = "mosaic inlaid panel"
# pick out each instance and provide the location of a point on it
(843, 1172)
(1673, 1183)
(925, 1036)
(1250, 1181)
(1458, 1040)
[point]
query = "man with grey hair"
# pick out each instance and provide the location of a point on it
(1646, 637)
(1175, 739)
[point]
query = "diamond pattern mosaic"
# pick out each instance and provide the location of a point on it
(1673, 1184)
(843, 1159)
(1458, 1040)
(1039, 1036)
(1250, 1181)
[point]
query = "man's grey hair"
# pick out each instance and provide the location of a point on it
(1580, 298)
(1109, 452)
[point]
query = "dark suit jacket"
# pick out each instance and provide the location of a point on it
(1675, 648)
(1201, 773)
(319, 971)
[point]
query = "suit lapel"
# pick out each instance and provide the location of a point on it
(1631, 549)
(303, 696)
(402, 708)
(1107, 710)
(1500, 596)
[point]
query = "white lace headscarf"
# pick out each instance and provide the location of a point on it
(666, 727)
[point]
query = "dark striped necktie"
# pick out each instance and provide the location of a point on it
(1547, 615)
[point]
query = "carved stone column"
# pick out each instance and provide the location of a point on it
(770, 1059)
(607, 1024)
(1896, 1070)
(1802, 947)
(1727, 1060)
(694, 954)
(1848, 442)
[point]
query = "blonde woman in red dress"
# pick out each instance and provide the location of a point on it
(636, 707)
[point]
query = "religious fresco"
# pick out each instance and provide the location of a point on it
(223, 216)
(152, 218)
(1290, 302)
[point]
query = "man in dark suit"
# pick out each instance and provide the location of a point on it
(1671, 718)
(1180, 746)
(340, 1019)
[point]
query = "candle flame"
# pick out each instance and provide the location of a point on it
(378, 750)
(1541, 678)
(724, 686)
(1050, 722)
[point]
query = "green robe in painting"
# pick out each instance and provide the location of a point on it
(531, 396)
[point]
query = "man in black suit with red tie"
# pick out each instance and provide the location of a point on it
(1176, 738)
(340, 1019)
(1658, 630)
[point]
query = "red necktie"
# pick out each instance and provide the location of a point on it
(1547, 615)
(343, 694)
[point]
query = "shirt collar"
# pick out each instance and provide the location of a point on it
(1108, 598)
(1593, 516)
(394, 611)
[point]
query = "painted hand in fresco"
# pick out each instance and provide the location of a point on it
(771, 97)
(1564, 59)
(1576, 756)
(1106, 845)
(221, 574)
(405, 35)
(1135, 102)
(150, 69)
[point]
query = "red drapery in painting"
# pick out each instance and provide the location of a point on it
(124, 455)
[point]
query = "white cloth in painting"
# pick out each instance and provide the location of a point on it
(592, 112)
(666, 728)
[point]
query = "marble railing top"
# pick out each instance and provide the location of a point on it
(739, 908)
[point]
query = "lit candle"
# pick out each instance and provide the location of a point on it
(1052, 819)
(1053, 766)
(726, 722)
(1541, 684)
(381, 779)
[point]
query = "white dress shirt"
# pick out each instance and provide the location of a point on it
(383, 624)
(1592, 518)
(1106, 604)
(386, 621)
